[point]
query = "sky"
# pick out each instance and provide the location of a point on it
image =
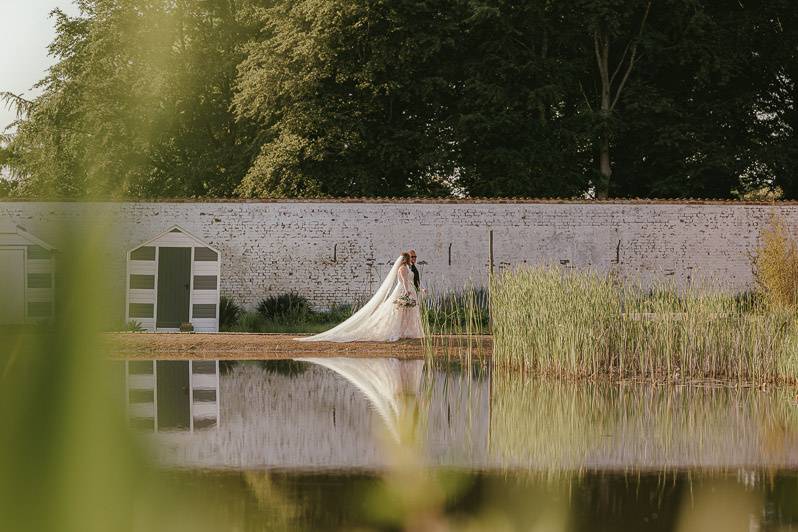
(25, 31)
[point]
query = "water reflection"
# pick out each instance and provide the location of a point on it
(169, 395)
(383, 444)
(392, 386)
(334, 413)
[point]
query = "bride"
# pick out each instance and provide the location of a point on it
(391, 314)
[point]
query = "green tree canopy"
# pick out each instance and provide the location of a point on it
(279, 98)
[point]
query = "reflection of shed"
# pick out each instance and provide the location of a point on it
(173, 394)
(173, 279)
(26, 276)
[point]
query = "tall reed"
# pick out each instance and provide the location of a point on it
(584, 324)
(456, 322)
(776, 265)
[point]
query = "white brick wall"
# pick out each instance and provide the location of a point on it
(338, 251)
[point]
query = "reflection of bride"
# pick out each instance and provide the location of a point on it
(391, 314)
(392, 386)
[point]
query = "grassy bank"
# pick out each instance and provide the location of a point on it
(582, 324)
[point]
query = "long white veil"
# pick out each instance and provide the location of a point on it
(371, 322)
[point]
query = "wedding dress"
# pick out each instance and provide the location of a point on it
(381, 319)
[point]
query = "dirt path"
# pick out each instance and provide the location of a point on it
(239, 346)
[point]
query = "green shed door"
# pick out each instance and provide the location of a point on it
(174, 284)
(174, 410)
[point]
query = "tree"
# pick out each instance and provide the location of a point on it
(279, 98)
(349, 97)
(517, 124)
(138, 103)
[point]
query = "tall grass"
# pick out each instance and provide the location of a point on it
(776, 265)
(584, 324)
(455, 322)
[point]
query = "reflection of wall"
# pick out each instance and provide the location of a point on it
(338, 251)
(173, 394)
(317, 419)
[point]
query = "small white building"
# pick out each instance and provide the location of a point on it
(173, 279)
(27, 282)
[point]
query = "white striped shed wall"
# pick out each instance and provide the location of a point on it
(141, 304)
(27, 276)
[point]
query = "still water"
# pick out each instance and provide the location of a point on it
(384, 444)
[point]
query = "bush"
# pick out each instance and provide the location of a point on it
(336, 314)
(249, 322)
(229, 312)
(776, 266)
(285, 308)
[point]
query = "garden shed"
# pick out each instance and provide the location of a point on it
(27, 268)
(172, 280)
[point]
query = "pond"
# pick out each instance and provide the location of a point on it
(387, 444)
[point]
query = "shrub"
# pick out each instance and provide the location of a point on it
(248, 322)
(336, 314)
(229, 312)
(776, 265)
(285, 308)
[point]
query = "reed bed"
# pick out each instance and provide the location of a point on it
(585, 324)
(456, 322)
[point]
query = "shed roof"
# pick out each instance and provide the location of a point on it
(14, 229)
(173, 229)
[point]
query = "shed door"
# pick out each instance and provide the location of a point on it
(12, 286)
(174, 410)
(174, 284)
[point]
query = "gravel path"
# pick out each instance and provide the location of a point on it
(239, 346)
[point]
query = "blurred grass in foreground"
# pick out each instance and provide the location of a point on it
(68, 460)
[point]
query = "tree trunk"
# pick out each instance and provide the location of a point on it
(601, 48)
(603, 187)
(605, 111)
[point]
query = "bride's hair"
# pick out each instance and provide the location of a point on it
(405, 257)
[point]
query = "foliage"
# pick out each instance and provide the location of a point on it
(133, 326)
(279, 98)
(285, 307)
(7, 187)
(254, 322)
(776, 266)
(585, 324)
(229, 312)
(464, 311)
(288, 313)
(350, 96)
(137, 103)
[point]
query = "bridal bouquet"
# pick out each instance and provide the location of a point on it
(405, 301)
